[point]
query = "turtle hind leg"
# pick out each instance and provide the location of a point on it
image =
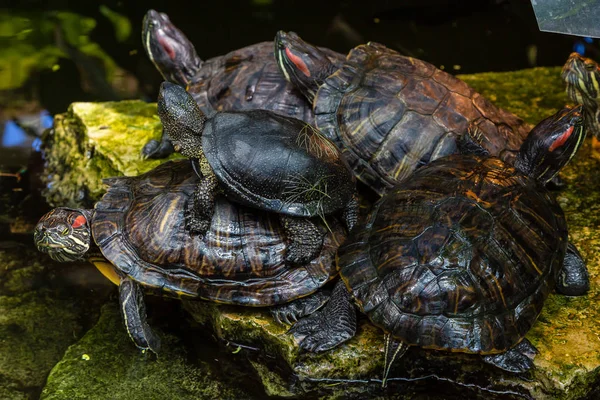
(133, 311)
(304, 237)
(294, 310)
(201, 207)
(517, 359)
(573, 279)
(350, 213)
(155, 149)
(330, 326)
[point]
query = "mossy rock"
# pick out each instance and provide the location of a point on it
(105, 365)
(565, 334)
(42, 312)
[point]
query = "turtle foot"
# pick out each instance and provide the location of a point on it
(294, 310)
(574, 279)
(305, 240)
(519, 359)
(329, 327)
(156, 150)
(194, 223)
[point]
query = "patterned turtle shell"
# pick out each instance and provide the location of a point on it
(139, 227)
(248, 79)
(277, 163)
(460, 257)
(392, 114)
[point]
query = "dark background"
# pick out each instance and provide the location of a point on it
(463, 36)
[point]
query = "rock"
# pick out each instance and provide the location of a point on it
(566, 333)
(105, 365)
(42, 312)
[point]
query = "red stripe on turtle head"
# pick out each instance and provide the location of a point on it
(559, 141)
(298, 62)
(79, 221)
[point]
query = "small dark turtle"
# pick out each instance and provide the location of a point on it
(461, 256)
(391, 114)
(582, 78)
(136, 236)
(261, 159)
(244, 79)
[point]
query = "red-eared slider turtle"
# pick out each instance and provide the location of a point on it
(582, 78)
(244, 79)
(461, 256)
(261, 159)
(136, 236)
(391, 114)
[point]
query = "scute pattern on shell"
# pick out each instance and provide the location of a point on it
(391, 114)
(139, 227)
(460, 257)
(247, 79)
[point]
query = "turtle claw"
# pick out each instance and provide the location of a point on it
(157, 150)
(291, 312)
(328, 327)
(193, 223)
(519, 359)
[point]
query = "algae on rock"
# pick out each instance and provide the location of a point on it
(104, 364)
(566, 333)
(41, 314)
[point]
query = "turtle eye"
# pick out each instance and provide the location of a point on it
(65, 232)
(590, 66)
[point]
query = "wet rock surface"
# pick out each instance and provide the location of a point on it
(104, 139)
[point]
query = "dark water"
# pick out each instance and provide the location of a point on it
(460, 36)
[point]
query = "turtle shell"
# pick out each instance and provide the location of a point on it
(139, 227)
(391, 114)
(277, 163)
(247, 79)
(460, 257)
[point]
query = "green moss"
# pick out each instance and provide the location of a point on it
(104, 364)
(37, 322)
(532, 94)
(93, 141)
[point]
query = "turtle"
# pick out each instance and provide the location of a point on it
(136, 236)
(582, 76)
(392, 114)
(261, 159)
(244, 79)
(461, 255)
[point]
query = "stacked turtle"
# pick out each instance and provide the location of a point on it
(244, 79)
(459, 254)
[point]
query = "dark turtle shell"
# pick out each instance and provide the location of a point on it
(277, 163)
(139, 227)
(248, 79)
(460, 257)
(391, 114)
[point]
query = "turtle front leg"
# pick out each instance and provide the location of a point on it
(294, 310)
(304, 237)
(133, 311)
(155, 149)
(350, 213)
(330, 326)
(574, 279)
(199, 212)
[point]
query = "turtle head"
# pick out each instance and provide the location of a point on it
(582, 78)
(551, 144)
(302, 64)
(169, 49)
(182, 119)
(63, 234)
